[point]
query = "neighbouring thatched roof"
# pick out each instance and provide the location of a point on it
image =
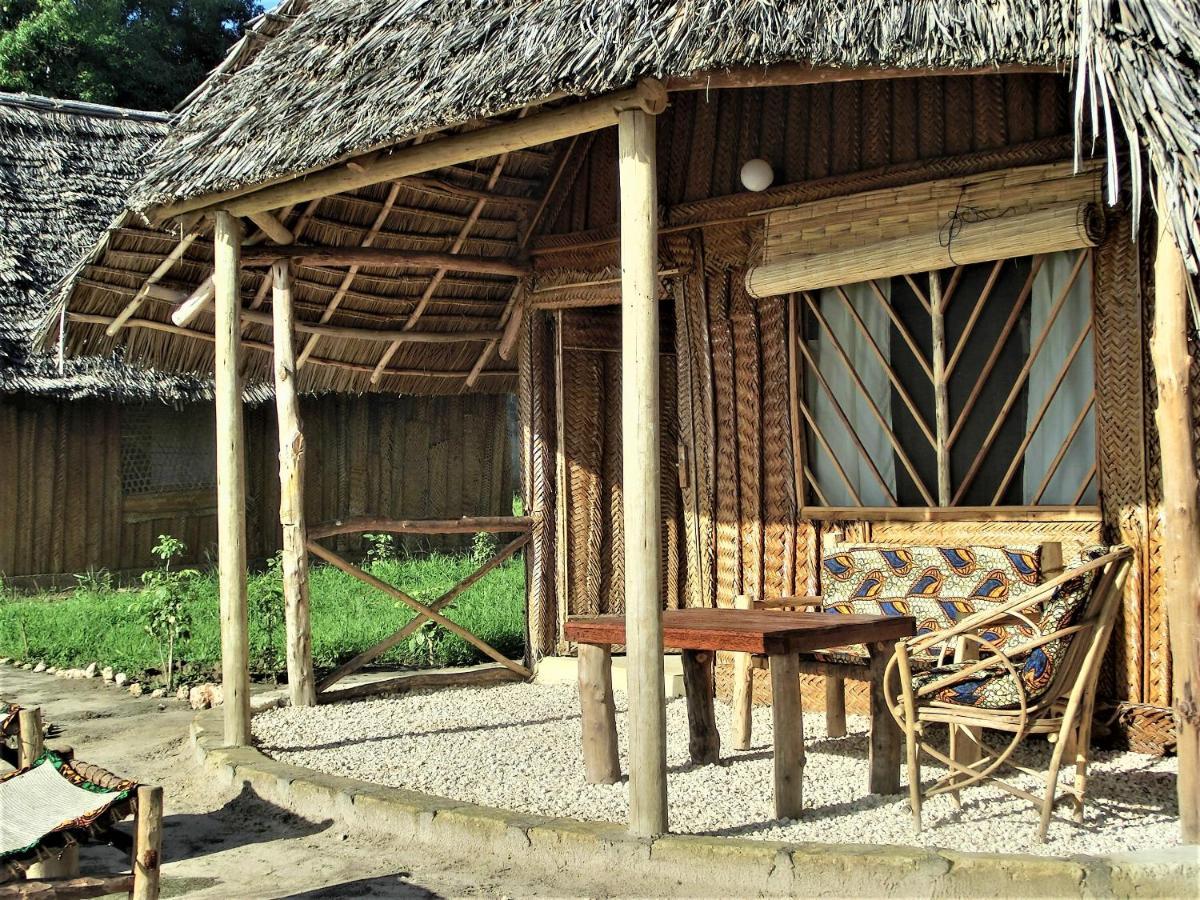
(65, 169)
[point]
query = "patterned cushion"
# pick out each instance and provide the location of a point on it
(993, 688)
(935, 585)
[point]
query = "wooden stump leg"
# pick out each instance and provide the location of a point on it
(599, 714)
(704, 743)
(30, 743)
(835, 706)
(743, 701)
(147, 848)
(787, 715)
(886, 739)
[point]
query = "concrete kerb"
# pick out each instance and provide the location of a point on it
(694, 864)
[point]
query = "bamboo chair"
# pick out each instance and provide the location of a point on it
(1062, 709)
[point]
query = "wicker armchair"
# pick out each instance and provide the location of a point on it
(1036, 679)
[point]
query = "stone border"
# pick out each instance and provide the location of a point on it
(695, 865)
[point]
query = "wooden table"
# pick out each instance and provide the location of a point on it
(699, 633)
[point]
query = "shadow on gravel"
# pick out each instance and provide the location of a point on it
(381, 886)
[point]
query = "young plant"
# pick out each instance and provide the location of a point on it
(380, 548)
(483, 547)
(265, 596)
(167, 616)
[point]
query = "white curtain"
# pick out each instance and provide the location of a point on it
(851, 399)
(1072, 394)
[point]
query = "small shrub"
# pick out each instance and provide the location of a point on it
(380, 548)
(94, 581)
(166, 613)
(483, 547)
(265, 599)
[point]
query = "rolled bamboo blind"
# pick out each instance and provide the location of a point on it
(879, 234)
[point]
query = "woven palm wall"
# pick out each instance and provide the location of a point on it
(741, 531)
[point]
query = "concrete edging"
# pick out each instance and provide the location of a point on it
(693, 864)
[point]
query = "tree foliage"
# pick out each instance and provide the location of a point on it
(145, 54)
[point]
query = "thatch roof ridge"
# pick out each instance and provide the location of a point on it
(65, 167)
(349, 76)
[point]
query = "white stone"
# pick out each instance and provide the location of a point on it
(107, 673)
(181, 692)
(120, 679)
(27, 667)
(52, 671)
(40, 667)
(91, 671)
(136, 689)
(205, 696)
(158, 693)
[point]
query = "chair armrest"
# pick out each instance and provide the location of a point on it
(747, 601)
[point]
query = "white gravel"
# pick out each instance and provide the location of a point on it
(517, 747)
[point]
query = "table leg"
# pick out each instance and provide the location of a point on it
(964, 741)
(886, 738)
(704, 743)
(599, 714)
(787, 714)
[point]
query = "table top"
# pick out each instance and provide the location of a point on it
(750, 631)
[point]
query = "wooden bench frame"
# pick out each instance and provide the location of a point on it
(884, 760)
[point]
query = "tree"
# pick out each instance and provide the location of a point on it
(145, 54)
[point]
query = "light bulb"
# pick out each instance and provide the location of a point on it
(757, 175)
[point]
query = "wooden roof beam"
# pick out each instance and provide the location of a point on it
(793, 74)
(532, 131)
(382, 256)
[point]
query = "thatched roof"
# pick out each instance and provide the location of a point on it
(326, 82)
(65, 169)
(348, 77)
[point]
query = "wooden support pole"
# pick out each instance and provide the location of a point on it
(147, 847)
(1181, 514)
(835, 706)
(941, 394)
(301, 690)
(640, 473)
(743, 688)
(532, 131)
(598, 711)
(29, 736)
(787, 715)
(231, 483)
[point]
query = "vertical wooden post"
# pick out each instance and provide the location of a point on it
(231, 482)
(29, 736)
(941, 396)
(301, 689)
(147, 843)
(1181, 525)
(640, 473)
(787, 715)
(743, 688)
(704, 742)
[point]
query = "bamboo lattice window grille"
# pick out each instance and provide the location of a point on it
(970, 386)
(164, 450)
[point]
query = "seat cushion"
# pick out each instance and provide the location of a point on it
(993, 687)
(935, 585)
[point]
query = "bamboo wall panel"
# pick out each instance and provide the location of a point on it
(63, 509)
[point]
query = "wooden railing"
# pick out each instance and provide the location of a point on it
(522, 526)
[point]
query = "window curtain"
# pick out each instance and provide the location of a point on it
(1072, 394)
(851, 399)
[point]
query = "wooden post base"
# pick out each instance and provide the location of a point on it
(883, 775)
(835, 706)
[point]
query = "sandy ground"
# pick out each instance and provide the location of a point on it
(234, 844)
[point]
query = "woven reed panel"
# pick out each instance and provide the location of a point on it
(694, 389)
(1121, 421)
(592, 442)
(1074, 536)
(535, 398)
(859, 220)
(1156, 660)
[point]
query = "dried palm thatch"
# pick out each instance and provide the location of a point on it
(65, 169)
(324, 84)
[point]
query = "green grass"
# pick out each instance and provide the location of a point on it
(105, 624)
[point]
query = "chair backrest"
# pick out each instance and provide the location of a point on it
(1078, 665)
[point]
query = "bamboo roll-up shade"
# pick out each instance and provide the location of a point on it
(1064, 226)
(922, 227)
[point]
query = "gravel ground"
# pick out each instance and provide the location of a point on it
(517, 747)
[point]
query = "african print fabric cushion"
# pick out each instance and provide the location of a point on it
(935, 585)
(994, 687)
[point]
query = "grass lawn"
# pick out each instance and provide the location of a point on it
(104, 624)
